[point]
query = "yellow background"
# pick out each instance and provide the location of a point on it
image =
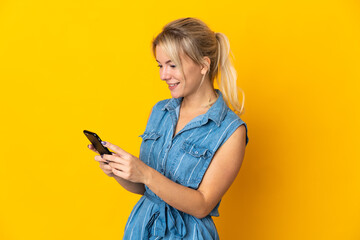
(66, 66)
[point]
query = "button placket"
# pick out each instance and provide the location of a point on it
(166, 154)
(171, 139)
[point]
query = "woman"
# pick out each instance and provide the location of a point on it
(193, 145)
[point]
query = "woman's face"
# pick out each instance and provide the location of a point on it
(174, 77)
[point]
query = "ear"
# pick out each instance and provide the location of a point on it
(206, 65)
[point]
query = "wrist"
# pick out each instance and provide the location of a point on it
(148, 175)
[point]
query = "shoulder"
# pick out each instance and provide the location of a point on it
(157, 110)
(161, 104)
(231, 121)
(239, 136)
(235, 127)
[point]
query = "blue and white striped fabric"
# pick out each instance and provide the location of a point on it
(183, 158)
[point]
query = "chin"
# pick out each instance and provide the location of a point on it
(175, 95)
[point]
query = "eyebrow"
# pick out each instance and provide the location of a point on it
(166, 61)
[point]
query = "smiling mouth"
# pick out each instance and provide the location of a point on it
(172, 85)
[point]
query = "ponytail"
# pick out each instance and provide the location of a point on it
(228, 75)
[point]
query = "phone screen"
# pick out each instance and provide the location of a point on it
(96, 142)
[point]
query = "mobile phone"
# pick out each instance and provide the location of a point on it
(96, 142)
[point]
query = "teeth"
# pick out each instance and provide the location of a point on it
(171, 85)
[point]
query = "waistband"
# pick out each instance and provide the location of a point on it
(166, 217)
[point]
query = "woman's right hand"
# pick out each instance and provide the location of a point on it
(103, 163)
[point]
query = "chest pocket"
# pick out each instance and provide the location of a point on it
(148, 147)
(191, 164)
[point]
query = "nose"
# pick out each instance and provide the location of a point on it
(164, 73)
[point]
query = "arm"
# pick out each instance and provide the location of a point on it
(200, 202)
(217, 180)
(137, 188)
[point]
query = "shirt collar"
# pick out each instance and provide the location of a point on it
(216, 112)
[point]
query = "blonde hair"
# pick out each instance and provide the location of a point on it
(194, 38)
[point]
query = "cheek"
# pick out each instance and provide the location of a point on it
(178, 75)
(194, 71)
(194, 75)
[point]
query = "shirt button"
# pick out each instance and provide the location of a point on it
(196, 152)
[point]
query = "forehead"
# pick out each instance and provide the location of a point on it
(162, 56)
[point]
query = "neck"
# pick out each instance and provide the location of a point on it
(200, 101)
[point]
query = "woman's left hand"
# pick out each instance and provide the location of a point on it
(125, 165)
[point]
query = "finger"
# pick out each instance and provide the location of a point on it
(109, 158)
(115, 148)
(105, 166)
(100, 159)
(113, 158)
(91, 147)
(117, 166)
(119, 173)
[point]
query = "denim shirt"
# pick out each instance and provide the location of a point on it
(183, 158)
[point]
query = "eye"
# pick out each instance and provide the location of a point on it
(173, 66)
(159, 66)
